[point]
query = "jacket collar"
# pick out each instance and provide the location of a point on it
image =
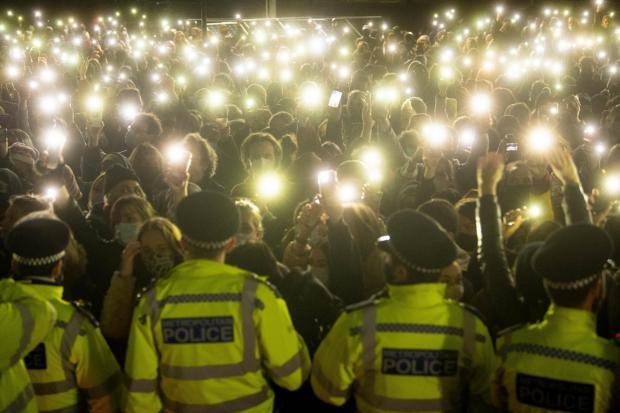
(45, 287)
(570, 318)
(420, 294)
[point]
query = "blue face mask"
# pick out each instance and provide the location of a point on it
(126, 232)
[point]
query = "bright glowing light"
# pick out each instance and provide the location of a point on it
(216, 98)
(311, 95)
(129, 111)
(480, 104)
(162, 97)
(534, 211)
(12, 72)
(600, 148)
(386, 95)
(286, 75)
(94, 103)
(392, 47)
(47, 75)
(540, 139)
(612, 184)
(446, 56)
(269, 186)
(435, 134)
(589, 129)
(348, 193)
(467, 137)
(182, 80)
(446, 73)
(177, 154)
(250, 103)
(54, 139)
(51, 194)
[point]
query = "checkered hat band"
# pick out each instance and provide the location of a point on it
(572, 285)
(39, 261)
(207, 246)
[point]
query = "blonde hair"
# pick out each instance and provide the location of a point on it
(140, 205)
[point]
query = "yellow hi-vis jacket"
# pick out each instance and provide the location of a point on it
(206, 338)
(73, 367)
(412, 351)
(25, 320)
(559, 364)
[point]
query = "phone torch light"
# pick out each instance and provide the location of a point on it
(51, 194)
(534, 211)
(129, 111)
(325, 177)
(311, 96)
(467, 138)
(600, 149)
(613, 70)
(269, 186)
(348, 193)
(176, 154)
(12, 72)
(612, 185)
(589, 130)
(372, 158)
(386, 95)
(435, 134)
(446, 73)
(94, 104)
(480, 104)
(216, 98)
(54, 139)
(540, 139)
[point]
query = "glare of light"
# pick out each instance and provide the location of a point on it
(348, 193)
(311, 95)
(436, 134)
(129, 111)
(534, 211)
(391, 48)
(467, 61)
(238, 16)
(480, 104)
(446, 56)
(94, 103)
(155, 78)
(600, 149)
(589, 130)
(540, 139)
(613, 70)
(216, 98)
(386, 94)
(344, 72)
(250, 103)
(316, 45)
(372, 158)
(553, 110)
(346, 29)
(260, 36)
(176, 154)
(286, 75)
(12, 71)
(54, 138)
(269, 186)
(344, 51)
(612, 184)
(499, 9)
(51, 194)
(162, 97)
(446, 73)
(182, 80)
(467, 137)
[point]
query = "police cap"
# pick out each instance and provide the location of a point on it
(418, 242)
(208, 220)
(573, 256)
(38, 241)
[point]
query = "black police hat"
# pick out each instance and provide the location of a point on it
(38, 241)
(573, 256)
(208, 220)
(418, 242)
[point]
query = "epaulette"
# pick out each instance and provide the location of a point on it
(510, 329)
(143, 290)
(373, 300)
(474, 311)
(81, 307)
(263, 280)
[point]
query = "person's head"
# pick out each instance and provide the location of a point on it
(160, 246)
(256, 257)
(571, 262)
(529, 283)
(37, 244)
(444, 213)
(260, 152)
(209, 222)
(118, 182)
(415, 258)
(204, 157)
(147, 162)
(280, 124)
(250, 222)
(19, 207)
(466, 234)
(127, 216)
(258, 94)
(146, 127)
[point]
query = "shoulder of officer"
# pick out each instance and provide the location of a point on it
(473, 310)
(510, 330)
(149, 286)
(80, 307)
(373, 300)
(264, 281)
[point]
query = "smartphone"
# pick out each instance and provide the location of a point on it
(334, 99)
(554, 109)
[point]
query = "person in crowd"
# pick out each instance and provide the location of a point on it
(410, 349)
(74, 356)
(156, 250)
(221, 302)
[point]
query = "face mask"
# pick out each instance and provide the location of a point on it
(158, 264)
(127, 232)
(244, 238)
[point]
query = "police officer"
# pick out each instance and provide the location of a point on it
(25, 320)
(411, 349)
(560, 364)
(73, 367)
(207, 336)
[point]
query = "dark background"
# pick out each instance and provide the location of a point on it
(407, 13)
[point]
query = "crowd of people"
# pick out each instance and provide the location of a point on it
(291, 215)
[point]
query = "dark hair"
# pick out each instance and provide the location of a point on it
(256, 257)
(196, 143)
(256, 138)
(443, 212)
